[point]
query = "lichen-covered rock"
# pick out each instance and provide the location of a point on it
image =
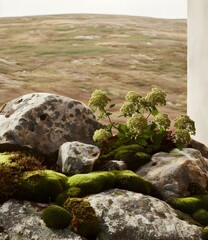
(45, 121)
(84, 221)
(22, 220)
(56, 217)
(128, 215)
(172, 173)
(76, 157)
(41, 185)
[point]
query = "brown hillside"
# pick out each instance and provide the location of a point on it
(74, 54)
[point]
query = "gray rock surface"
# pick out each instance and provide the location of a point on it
(45, 121)
(22, 221)
(128, 215)
(76, 157)
(171, 173)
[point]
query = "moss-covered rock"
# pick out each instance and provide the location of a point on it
(205, 233)
(41, 185)
(96, 182)
(71, 192)
(133, 155)
(56, 217)
(201, 216)
(93, 182)
(12, 165)
(84, 220)
(129, 180)
(190, 204)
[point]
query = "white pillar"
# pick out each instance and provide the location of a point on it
(197, 101)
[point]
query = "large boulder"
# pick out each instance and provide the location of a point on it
(76, 157)
(45, 121)
(128, 215)
(172, 174)
(22, 220)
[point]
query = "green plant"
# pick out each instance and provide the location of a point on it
(56, 217)
(84, 219)
(12, 166)
(145, 125)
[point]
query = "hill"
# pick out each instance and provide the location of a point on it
(74, 54)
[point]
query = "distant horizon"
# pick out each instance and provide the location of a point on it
(165, 9)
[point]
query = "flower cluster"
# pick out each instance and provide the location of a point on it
(144, 124)
(162, 121)
(156, 97)
(98, 100)
(185, 123)
(137, 124)
(184, 127)
(101, 135)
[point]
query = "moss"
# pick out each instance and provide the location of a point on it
(41, 185)
(201, 216)
(56, 217)
(84, 220)
(205, 233)
(133, 155)
(188, 205)
(93, 182)
(131, 181)
(12, 165)
(71, 192)
(96, 182)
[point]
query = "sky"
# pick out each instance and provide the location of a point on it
(151, 8)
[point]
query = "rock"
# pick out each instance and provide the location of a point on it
(114, 165)
(45, 121)
(199, 146)
(172, 173)
(127, 215)
(22, 220)
(76, 157)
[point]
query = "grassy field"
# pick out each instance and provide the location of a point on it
(74, 54)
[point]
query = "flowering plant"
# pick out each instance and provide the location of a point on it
(145, 125)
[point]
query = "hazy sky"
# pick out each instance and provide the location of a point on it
(152, 8)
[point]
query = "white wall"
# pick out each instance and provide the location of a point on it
(198, 67)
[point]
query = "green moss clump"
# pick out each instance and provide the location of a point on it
(188, 205)
(205, 233)
(12, 165)
(201, 216)
(56, 217)
(41, 185)
(93, 182)
(84, 220)
(133, 155)
(96, 182)
(71, 192)
(131, 181)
